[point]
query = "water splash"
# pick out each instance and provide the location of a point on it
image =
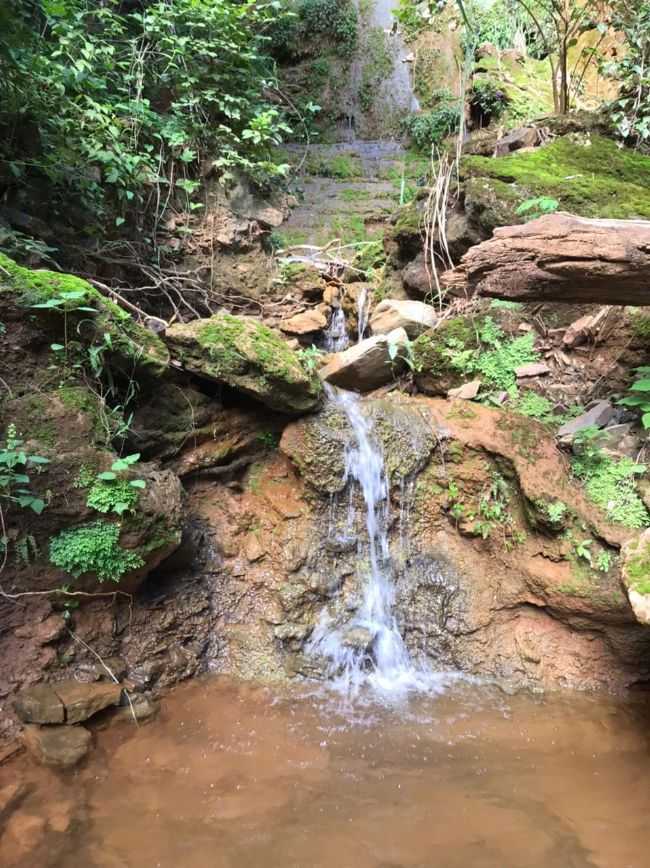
(368, 649)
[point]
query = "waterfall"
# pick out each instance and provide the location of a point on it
(362, 313)
(336, 334)
(369, 648)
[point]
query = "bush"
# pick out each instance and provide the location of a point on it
(428, 129)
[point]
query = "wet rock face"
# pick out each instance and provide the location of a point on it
(61, 747)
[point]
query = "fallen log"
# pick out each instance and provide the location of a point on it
(561, 258)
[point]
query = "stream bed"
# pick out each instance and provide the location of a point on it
(233, 775)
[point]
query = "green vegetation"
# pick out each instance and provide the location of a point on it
(590, 176)
(640, 399)
(93, 548)
(428, 129)
(610, 483)
(535, 406)
(109, 493)
(119, 100)
(637, 569)
(630, 111)
(377, 65)
(15, 461)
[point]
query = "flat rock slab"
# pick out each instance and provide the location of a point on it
(65, 702)
(82, 701)
(39, 704)
(597, 417)
(57, 746)
(368, 364)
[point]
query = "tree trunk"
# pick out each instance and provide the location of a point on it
(560, 258)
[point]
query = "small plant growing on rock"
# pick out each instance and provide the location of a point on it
(109, 493)
(93, 548)
(14, 479)
(640, 398)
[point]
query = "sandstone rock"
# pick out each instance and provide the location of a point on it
(636, 575)
(368, 364)
(247, 355)
(57, 746)
(597, 416)
(560, 257)
(534, 369)
(10, 797)
(308, 322)
(39, 704)
(253, 549)
(414, 317)
(82, 701)
(522, 137)
(466, 392)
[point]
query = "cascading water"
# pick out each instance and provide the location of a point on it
(336, 334)
(368, 649)
(362, 313)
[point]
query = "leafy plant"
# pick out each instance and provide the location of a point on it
(535, 406)
(14, 479)
(604, 561)
(583, 550)
(610, 483)
(109, 493)
(488, 100)
(538, 206)
(428, 129)
(309, 358)
(640, 398)
(93, 548)
(556, 511)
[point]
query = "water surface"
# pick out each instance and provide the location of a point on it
(237, 776)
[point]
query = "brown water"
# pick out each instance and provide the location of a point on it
(234, 776)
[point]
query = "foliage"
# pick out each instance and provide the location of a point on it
(309, 358)
(109, 493)
(640, 402)
(538, 206)
(121, 102)
(610, 483)
(497, 365)
(535, 406)
(488, 100)
(630, 111)
(14, 480)
(93, 548)
(377, 65)
(312, 22)
(428, 129)
(556, 511)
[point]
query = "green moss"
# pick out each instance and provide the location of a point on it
(128, 339)
(588, 175)
(637, 570)
(640, 323)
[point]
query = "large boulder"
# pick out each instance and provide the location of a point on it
(249, 356)
(414, 317)
(57, 746)
(65, 702)
(368, 364)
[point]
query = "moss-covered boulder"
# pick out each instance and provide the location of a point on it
(246, 355)
(587, 174)
(73, 314)
(433, 352)
(636, 576)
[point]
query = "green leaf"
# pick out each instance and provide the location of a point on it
(138, 483)
(641, 386)
(107, 475)
(119, 221)
(645, 420)
(57, 347)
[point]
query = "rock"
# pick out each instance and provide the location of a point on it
(635, 573)
(142, 707)
(416, 278)
(522, 137)
(368, 364)
(39, 704)
(10, 797)
(253, 550)
(82, 701)
(598, 416)
(359, 638)
(534, 369)
(466, 392)
(414, 317)
(23, 836)
(57, 746)
(560, 257)
(308, 322)
(249, 356)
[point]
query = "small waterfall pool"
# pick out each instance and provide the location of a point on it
(237, 776)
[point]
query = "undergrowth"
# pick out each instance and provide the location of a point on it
(93, 548)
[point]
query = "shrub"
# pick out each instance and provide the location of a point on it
(428, 129)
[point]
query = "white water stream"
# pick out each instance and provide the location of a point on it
(369, 649)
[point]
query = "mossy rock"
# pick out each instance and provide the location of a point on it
(636, 575)
(249, 356)
(435, 373)
(130, 344)
(588, 175)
